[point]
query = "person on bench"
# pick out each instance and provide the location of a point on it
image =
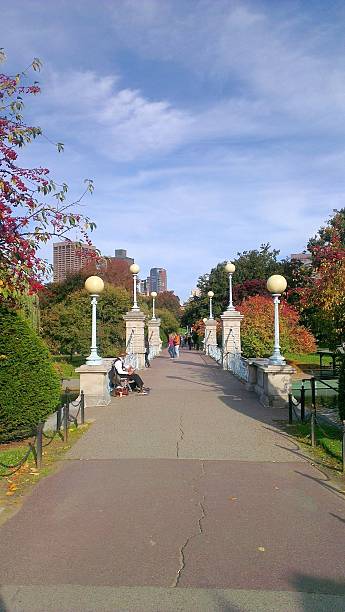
(134, 380)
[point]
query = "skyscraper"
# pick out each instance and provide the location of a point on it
(68, 258)
(158, 280)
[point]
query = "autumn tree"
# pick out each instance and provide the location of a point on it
(169, 301)
(257, 329)
(323, 299)
(33, 207)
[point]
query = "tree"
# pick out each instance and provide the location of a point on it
(33, 208)
(66, 325)
(169, 323)
(256, 264)
(169, 301)
(257, 329)
(323, 299)
(249, 288)
(111, 270)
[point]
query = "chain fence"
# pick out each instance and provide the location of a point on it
(41, 439)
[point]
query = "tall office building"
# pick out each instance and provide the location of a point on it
(68, 258)
(158, 280)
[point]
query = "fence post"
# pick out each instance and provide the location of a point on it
(313, 393)
(343, 448)
(290, 408)
(66, 420)
(302, 402)
(58, 418)
(82, 408)
(39, 445)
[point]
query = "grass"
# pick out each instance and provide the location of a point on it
(65, 365)
(307, 358)
(328, 439)
(13, 488)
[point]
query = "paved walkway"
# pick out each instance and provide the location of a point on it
(184, 500)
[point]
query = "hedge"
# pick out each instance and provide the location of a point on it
(29, 386)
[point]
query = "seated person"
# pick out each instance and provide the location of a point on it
(135, 382)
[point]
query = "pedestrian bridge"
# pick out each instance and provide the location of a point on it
(189, 498)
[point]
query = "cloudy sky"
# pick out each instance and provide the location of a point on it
(208, 126)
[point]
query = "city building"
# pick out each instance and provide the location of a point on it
(158, 280)
(144, 286)
(122, 255)
(304, 258)
(68, 258)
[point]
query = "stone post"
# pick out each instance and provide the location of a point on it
(210, 334)
(94, 383)
(153, 329)
(231, 333)
(135, 336)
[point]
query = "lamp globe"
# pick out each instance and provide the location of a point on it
(210, 294)
(276, 284)
(153, 294)
(230, 267)
(94, 285)
(134, 268)
(204, 319)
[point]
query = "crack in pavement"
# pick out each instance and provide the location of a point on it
(181, 437)
(194, 535)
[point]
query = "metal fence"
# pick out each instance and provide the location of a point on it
(41, 438)
(233, 362)
(309, 415)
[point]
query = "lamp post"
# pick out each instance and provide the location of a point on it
(205, 321)
(153, 295)
(210, 295)
(230, 269)
(94, 286)
(134, 268)
(276, 285)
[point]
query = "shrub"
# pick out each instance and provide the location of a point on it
(29, 386)
(257, 329)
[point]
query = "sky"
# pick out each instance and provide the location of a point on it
(208, 127)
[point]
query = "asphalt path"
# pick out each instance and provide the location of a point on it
(186, 499)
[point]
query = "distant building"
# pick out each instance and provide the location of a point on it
(122, 254)
(144, 286)
(304, 258)
(196, 292)
(158, 280)
(68, 258)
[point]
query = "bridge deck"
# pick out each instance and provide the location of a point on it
(185, 499)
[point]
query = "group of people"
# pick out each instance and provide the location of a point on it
(175, 341)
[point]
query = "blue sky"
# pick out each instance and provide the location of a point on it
(208, 126)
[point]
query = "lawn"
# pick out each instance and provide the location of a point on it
(328, 438)
(65, 365)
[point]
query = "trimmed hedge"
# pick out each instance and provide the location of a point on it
(29, 386)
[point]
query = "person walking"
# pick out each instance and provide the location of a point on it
(177, 341)
(189, 341)
(171, 346)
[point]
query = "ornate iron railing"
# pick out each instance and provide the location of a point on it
(237, 365)
(131, 360)
(215, 352)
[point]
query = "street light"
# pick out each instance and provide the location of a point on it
(134, 268)
(230, 269)
(153, 295)
(94, 286)
(210, 295)
(276, 285)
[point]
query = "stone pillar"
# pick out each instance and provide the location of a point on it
(94, 383)
(231, 331)
(272, 383)
(210, 334)
(135, 336)
(153, 329)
